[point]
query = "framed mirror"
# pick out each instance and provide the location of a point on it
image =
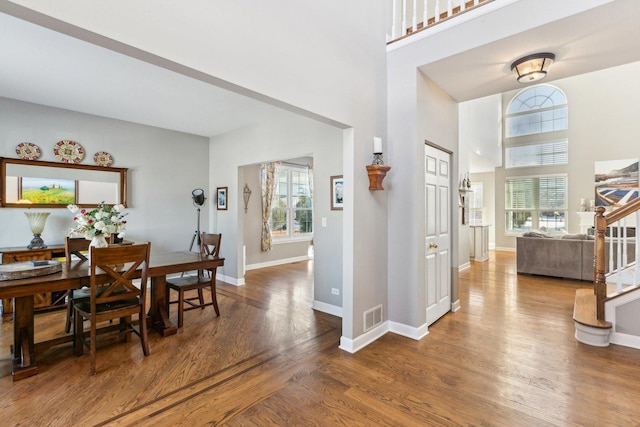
(31, 183)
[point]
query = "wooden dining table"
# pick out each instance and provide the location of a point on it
(76, 275)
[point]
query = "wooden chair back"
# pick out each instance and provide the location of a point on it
(74, 246)
(209, 246)
(120, 263)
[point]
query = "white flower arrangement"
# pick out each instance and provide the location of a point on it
(104, 219)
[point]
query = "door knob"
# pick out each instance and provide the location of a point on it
(433, 245)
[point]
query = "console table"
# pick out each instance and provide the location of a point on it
(21, 254)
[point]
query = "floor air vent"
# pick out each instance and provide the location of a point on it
(372, 318)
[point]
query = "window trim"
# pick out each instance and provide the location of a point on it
(292, 238)
(535, 209)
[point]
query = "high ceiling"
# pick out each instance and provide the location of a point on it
(46, 67)
(599, 38)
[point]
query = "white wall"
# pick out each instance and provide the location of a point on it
(603, 125)
(297, 137)
(164, 167)
(324, 59)
(280, 252)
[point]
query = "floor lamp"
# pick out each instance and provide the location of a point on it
(198, 200)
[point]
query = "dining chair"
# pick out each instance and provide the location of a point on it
(209, 246)
(114, 295)
(74, 247)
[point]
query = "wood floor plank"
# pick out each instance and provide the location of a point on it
(508, 357)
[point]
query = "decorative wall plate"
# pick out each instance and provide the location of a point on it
(67, 151)
(28, 151)
(102, 158)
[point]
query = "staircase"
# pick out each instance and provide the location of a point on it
(610, 311)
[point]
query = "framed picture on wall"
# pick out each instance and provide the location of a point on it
(221, 198)
(337, 192)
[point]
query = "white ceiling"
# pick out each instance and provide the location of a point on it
(602, 37)
(46, 67)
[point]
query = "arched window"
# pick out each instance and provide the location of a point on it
(535, 110)
(535, 121)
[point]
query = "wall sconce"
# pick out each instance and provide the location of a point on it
(377, 169)
(532, 67)
(246, 194)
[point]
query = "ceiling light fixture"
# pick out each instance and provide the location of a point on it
(532, 67)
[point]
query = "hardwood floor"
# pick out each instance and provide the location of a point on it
(506, 358)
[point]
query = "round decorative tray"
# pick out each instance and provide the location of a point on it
(67, 151)
(22, 270)
(28, 151)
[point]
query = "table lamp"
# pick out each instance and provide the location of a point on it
(36, 222)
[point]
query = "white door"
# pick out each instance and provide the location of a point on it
(438, 232)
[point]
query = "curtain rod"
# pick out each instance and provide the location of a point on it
(295, 164)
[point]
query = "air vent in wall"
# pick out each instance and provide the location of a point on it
(372, 318)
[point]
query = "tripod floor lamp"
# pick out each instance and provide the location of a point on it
(198, 200)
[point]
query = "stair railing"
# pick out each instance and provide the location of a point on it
(411, 16)
(617, 222)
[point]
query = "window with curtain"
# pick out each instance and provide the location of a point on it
(292, 210)
(536, 202)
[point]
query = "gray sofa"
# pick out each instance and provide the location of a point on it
(569, 256)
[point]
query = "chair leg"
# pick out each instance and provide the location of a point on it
(180, 307)
(201, 298)
(93, 346)
(78, 334)
(214, 297)
(143, 333)
(67, 326)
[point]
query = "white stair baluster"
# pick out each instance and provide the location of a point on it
(414, 19)
(404, 18)
(463, 6)
(425, 14)
(449, 8)
(395, 33)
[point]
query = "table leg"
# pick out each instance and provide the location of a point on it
(158, 316)
(23, 363)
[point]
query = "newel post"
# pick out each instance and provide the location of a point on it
(600, 285)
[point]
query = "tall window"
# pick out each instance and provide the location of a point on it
(292, 210)
(535, 139)
(476, 203)
(536, 202)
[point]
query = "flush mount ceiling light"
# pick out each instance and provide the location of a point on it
(532, 67)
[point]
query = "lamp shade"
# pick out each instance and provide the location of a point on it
(198, 196)
(532, 67)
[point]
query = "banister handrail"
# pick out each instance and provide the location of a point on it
(601, 222)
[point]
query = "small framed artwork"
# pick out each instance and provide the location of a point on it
(337, 192)
(221, 197)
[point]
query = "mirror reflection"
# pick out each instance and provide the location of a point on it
(48, 184)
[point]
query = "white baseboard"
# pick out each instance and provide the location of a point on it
(230, 280)
(626, 340)
(465, 266)
(455, 306)
(277, 262)
(354, 345)
(360, 342)
(409, 331)
(333, 310)
(505, 249)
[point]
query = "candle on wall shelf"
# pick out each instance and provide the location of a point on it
(377, 170)
(377, 145)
